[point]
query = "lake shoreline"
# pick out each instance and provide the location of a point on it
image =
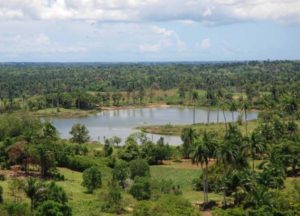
(176, 129)
(73, 112)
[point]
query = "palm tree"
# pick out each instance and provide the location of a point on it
(200, 155)
(228, 153)
(233, 108)
(290, 106)
(33, 190)
(245, 107)
(210, 146)
(256, 145)
(224, 116)
(188, 137)
(220, 96)
(195, 97)
(203, 152)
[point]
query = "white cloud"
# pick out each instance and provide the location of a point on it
(204, 44)
(37, 44)
(206, 11)
(161, 38)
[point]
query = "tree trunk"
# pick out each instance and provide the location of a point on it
(206, 182)
(194, 114)
(208, 115)
(224, 190)
(246, 123)
(224, 119)
(203, 182)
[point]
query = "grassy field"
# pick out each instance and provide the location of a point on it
(83, 203)
(183, 177)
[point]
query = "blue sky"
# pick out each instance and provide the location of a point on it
(149, 30)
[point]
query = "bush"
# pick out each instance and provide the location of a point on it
(2, 177)
(1, 194)
(92, 178)
(141, 188)
(166, 187)
(17, 209)
(120, 173)
(215, 180)
(52, 208)
(113, 199)
(230, 212)
(81, 163)
(139, 167)
(56, 193)
(108, 149)
(55, 175)
(166, 205)
(130, 151)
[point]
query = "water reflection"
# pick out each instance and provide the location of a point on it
(121, 123)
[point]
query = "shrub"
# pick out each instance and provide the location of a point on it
(92, 178)
(52, 208)
(54, 174)
(108, 149)
(229, 212)
(130, 151)
(120, 173)
(1, 194)
(2, 177)
(81, 163)
(166, 205)
(141, 188)
(17, 209)
(113, 199)
(166, 187)
(56, 193)
(139, 167)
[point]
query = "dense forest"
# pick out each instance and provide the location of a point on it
(231, 168)
(87, 86)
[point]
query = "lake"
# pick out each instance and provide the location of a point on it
(123, 122)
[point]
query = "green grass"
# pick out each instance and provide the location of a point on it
(183, 177)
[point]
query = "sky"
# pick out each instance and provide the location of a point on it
(148, 30)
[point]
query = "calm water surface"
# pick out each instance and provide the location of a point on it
(122, 123)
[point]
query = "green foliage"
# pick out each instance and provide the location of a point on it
(1, 194)
(165, 186)
(52, 208)
(141, 188)
(92, 178)
(188, 137)
(155, 153)
(108, 149)
(34, 191)
(113, 199)
(230, 212)
(139, 168)
(46, 156)
(166, 205)
(80, 133)
(17, 209)
(120, 173)
(131, 150)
